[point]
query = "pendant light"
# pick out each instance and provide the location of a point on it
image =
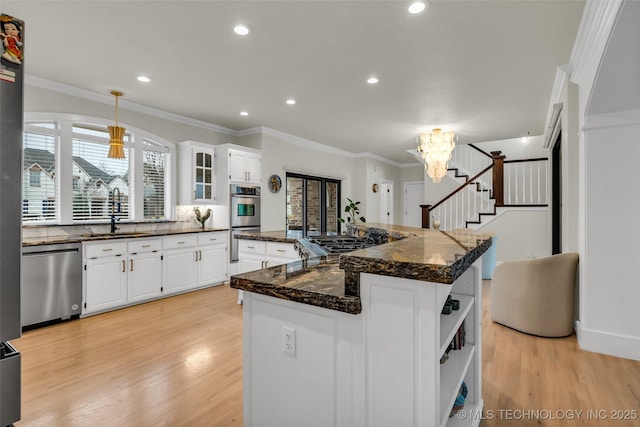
(116, 134)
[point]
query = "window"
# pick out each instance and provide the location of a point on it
(100, 176)
(90, 176)
(38, 173)
(34, 178)
(313, 204)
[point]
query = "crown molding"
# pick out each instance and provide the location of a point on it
(124, 104)
(128, 105)
(598, 19)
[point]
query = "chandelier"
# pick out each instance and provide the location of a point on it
(436, 149)
(116, 134)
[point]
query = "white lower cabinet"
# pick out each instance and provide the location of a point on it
(256, 254)
(212, 258)
(179, 265)
(144, 270)
(128, 271)
(105, 277)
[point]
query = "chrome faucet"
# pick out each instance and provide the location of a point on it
(113, 209)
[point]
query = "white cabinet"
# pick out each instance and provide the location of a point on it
(212, 258)
(244, 167)
(121, 272)
(256, 254)
(144, 272)
(196, 173)
(179, 265)
(105, 276)
(236, 165)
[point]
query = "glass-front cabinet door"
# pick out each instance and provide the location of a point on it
(203, 174)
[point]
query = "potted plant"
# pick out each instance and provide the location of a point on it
(353, 213)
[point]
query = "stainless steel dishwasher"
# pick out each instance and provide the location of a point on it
(51, 283)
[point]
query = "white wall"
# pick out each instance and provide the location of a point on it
(515, 149)
(280, 156)
(521, 233)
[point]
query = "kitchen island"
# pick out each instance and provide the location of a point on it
(358, 339)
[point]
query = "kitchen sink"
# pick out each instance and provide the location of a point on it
(120, 234)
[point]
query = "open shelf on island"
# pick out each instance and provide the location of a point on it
(451, 374)
(449, 323)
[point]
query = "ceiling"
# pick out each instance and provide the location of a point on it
(480, 67)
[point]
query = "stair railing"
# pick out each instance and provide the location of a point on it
(463, 204)
(503, 183)
(525, 182)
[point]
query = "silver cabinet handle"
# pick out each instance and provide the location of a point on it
(146, 246)
(180, 243)
(196, 256)
(281, 250)
(212, 240)
(124, 266)
(200, 255)
(251, 247)
(130, 265)
(107, 250)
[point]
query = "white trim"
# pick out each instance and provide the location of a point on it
(154, 112)
(124, 104)
(612, 120)
(593, 34)
(608, 343)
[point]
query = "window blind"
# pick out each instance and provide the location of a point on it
(96, 176)
(38, 177)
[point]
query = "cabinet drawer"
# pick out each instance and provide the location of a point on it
(285, 250)
(105, 249)
(144, 245)
(252, 246)
(215, 238)
(181, 241)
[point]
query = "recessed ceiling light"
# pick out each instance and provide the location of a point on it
(372, 80)
(418, 7)
(291, 101)
(244, 113)
(242, 30)
(144, 79)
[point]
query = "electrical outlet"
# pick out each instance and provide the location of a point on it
(289, 340)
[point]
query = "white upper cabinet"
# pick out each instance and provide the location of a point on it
(236, 165)
(244, 167)
(196, 173)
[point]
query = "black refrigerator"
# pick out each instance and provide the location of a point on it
(11, 124)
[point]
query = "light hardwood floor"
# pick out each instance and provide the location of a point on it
(178, 362)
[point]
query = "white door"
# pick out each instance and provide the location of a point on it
(106, 283)
(212, 264)
(144, 276)
(413, 198)
(386, 201)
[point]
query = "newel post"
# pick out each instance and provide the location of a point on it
(498, 177)
(425, 216)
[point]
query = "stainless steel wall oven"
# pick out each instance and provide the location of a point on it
(245, 213)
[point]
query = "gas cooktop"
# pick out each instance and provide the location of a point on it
(340, 244)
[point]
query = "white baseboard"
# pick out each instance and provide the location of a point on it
(608, 343)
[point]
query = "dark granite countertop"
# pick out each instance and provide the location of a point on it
(271, 236)
(75, 238)
(412, 253)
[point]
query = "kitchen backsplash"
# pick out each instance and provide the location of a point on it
(186, 218)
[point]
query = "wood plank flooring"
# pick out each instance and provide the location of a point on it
(178, 362)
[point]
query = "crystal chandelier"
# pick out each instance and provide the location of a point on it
(436, 149)
(116, 134)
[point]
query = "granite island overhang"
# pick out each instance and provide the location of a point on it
(333, 281)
